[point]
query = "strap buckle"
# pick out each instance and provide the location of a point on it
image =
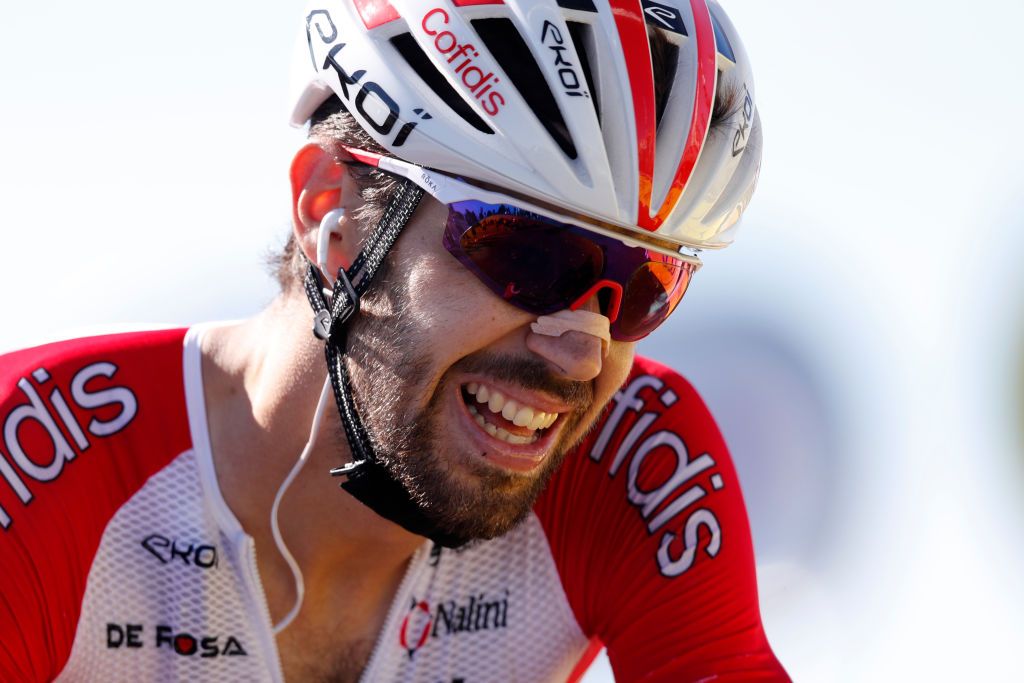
(342, 314)
(325, 322)
(347, 469)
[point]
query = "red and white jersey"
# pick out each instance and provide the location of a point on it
(120, 560)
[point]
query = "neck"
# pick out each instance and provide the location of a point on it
(263, 379)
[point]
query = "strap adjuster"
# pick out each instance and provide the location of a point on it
(325, 322)
(347, 469)
(341, 314)
(322, 324)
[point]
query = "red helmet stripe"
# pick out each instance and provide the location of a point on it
(707, 73)
(374, 13)
(629, 20)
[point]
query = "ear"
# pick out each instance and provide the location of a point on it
(321, 183)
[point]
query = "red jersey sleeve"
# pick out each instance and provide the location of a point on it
(83, 424)
(648, 530)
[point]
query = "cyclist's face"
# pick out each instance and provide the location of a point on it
(431, 348)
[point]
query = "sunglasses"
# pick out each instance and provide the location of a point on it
(542, 263)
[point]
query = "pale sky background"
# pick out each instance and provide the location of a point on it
(861, 344)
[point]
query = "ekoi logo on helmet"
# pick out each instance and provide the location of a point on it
(740, 139)
(371, 101)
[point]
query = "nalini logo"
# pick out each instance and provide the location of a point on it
(424, 622)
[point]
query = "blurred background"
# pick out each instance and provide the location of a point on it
(862, 344)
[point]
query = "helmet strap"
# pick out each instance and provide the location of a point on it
(366, 479)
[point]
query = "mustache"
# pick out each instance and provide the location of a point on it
(529, 373)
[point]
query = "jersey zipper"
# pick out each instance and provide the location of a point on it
(404, 588)
(267, 632)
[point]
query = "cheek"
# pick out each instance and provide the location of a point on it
(614, 372)
(454, 307)
(455, 313)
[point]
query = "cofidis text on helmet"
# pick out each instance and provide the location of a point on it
(480, 84)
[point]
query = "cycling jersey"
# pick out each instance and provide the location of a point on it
(120, 560)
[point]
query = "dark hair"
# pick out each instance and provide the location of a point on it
(332, 126)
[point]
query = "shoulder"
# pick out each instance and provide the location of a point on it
(84, 423)
(645, 521)
(54, 353)
(65, 400)
(156, 351)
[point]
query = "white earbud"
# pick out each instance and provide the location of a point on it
(328, 226)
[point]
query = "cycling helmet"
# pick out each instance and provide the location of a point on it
(552, 100)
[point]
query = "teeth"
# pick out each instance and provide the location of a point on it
(503, 434)
(519, 415)
(510, 410)
(524, 417)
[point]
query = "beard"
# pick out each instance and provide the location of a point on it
(453, 487)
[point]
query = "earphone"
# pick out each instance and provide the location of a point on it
(330, 225)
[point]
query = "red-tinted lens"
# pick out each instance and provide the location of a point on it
(650, 296)
(535, 265)
(542, 266)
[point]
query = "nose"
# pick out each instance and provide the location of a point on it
(575, 353)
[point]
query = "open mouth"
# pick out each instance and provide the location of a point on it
(504, 418)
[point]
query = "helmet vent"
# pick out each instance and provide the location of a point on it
(435, 80)
(510, 51)
(664, 62)
(583, 41)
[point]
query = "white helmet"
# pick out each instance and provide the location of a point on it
(552, 100)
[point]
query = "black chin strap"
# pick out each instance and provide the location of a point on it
(330, 321)
(366, 479)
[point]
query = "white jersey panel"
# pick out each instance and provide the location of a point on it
(494, 611)
(166, 582)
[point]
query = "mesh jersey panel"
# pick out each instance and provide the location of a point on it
(167, 595)
(491, 612)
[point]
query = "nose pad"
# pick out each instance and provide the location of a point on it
(574, 355)
(614, 290)
(574, 342)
